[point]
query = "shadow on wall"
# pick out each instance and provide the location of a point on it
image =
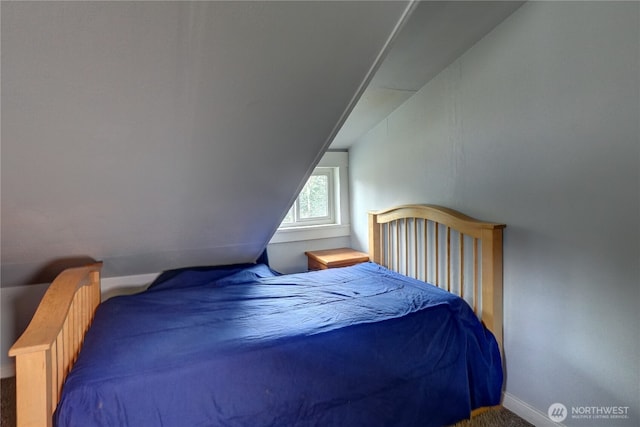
(125, 290)
(49, 272)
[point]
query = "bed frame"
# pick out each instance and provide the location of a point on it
(431, 243)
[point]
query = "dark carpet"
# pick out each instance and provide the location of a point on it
(8, 402)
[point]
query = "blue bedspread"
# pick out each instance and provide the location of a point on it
(243, 346)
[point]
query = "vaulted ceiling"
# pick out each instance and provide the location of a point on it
(153, 135)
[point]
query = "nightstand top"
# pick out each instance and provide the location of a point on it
(338, 257)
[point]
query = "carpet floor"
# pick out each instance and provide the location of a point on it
(497, 417)
(8, 402)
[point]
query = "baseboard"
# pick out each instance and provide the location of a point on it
(8, 370)
(138, 279)
(527, 412)
(123, 285)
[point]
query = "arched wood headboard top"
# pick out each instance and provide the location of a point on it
(445, 216)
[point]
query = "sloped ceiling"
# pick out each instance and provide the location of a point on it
(436, 33)
(153, 135)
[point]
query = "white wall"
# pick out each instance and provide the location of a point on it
(17, 305)
(537, 126)
(290, 258)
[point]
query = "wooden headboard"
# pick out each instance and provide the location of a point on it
(447, 249)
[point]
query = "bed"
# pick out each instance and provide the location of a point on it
(367, 345)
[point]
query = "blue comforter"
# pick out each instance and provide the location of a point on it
(244, 346)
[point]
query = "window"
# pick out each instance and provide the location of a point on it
(322, 208)
(316, 202)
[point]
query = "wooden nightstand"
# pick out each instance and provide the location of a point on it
(332, 258)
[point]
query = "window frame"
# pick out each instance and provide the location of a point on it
(339, 160)
(330, 219)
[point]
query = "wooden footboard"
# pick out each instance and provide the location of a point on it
(49, 346)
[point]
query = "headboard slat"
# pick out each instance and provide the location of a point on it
(475, 274)
(461, 264)
(448, 261)
(436, 229)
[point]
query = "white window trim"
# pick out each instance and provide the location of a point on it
(333, 192)
(341, 227)
(312, 232)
